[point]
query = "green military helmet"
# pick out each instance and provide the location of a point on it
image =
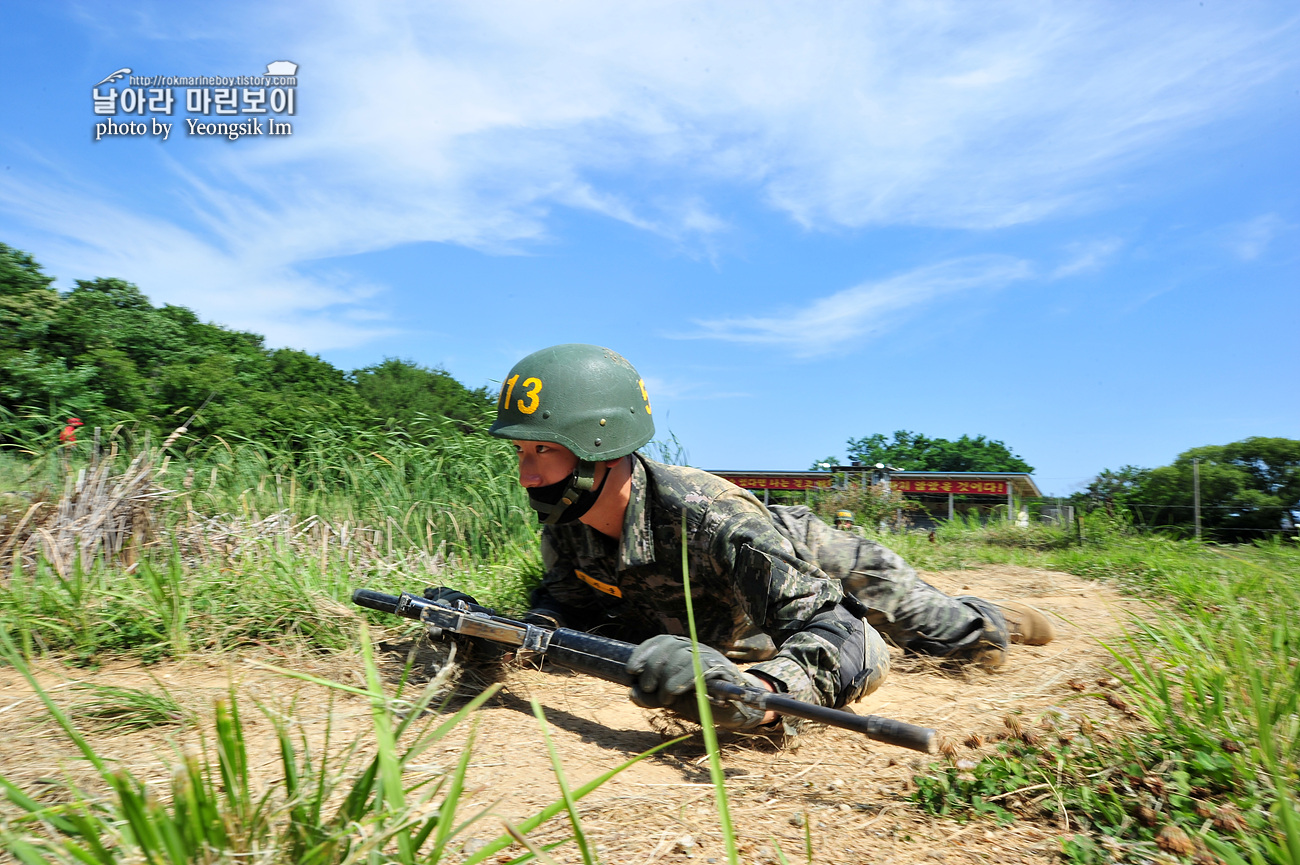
(585, 397)
(844, 516)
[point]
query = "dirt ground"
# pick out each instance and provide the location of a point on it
(852, 791)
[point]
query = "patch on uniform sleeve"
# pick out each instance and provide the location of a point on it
(598, 585)
(782, 597)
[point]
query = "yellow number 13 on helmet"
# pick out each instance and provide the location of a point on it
(532, 390)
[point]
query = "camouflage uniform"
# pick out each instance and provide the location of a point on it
(909, 611)
(753, 597)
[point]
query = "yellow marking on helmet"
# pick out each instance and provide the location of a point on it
(645, 396)
(534, 387)
(507, 387)
(598, 585)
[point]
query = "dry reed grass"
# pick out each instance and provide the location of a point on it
(116, 514)
(102, 513)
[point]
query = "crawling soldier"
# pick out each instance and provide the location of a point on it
(773, 586)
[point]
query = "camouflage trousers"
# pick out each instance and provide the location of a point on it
(904, 608)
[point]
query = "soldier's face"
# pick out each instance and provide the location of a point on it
(543, 463)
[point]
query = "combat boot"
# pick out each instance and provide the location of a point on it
(988, 657)
(1026, 624)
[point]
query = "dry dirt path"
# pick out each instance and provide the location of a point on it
(853, 792)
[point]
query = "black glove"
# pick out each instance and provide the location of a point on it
(665, 679)
(449, 596)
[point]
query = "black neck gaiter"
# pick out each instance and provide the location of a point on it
(567, 500)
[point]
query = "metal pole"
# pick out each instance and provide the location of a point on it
(1196, 495)
(1011, 502)
(949, 507)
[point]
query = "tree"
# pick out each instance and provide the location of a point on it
(914, 452)
(401, 390)
(28, 376)
(27, 302)
(1249, 489)
(104, 353)
(1111, 488)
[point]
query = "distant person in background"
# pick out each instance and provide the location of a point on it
(68, 436)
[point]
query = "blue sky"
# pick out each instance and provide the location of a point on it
(1072, 227)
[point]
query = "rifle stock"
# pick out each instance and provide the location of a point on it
(607, 659)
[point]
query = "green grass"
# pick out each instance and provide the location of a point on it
(1212, 669)
(170, 608)
(112, 707)
(260, 545)
(325, 808)
(433, 489)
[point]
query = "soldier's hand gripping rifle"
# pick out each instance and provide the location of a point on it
(607, 659)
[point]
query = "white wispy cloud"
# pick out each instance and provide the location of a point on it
(829, 323)
(1088, 256)
(844, 114)
(470, 123)
(680, 389)
(1249, 240)
(238, 286)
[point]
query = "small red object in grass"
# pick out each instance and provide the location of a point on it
(69, 433)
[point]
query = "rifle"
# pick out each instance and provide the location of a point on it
(606, 659)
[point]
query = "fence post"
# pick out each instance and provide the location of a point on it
(1196, 495)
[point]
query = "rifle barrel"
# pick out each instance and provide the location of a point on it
(375, 601)
(607, 659)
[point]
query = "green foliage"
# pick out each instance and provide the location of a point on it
(104, 353)
(404, 392)
(1120, 486)
(112, 707)
(669, 451)
(322, 809)
(258, 543)
(1213, 675)
(872, 505)
(262, 596)
(1001, 533)
(1123, 792)
(430, 488)
(27, 302)
(1248, 488)
(914, 452)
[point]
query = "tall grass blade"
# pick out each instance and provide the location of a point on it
(528, 845)
(9, 652)
(505, 840)
(706, 717)
(578, 835)
(451, 801)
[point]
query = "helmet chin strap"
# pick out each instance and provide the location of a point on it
(569, 499)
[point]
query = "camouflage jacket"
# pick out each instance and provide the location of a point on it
(746, 580)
